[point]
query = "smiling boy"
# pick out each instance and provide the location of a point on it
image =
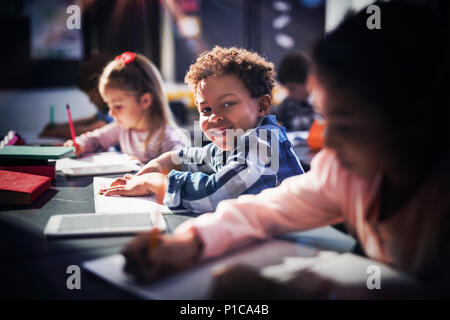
(249, 151)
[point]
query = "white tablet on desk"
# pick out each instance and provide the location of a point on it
(88, 224)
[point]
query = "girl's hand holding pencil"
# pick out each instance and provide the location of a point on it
(78, 148)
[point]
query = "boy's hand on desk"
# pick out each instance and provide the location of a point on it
(120, 181)
(150, 167)
(138, 186)
(152, 255)
(78, 148)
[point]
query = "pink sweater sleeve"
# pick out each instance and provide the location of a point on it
(299, 203)
(100, 139)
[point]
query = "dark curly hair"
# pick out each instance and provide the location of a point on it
(255, 71)
(294, 67)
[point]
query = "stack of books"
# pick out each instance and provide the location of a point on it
(26, 171)
(33, 159)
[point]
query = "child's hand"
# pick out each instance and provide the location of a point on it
(121, 181)
(242, 282)
(151, 255)
(78, 149)
(152, 166)
(138, 186)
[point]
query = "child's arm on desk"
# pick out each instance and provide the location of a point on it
(163, 164)
(153, 182)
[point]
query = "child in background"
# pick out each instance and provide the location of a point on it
(144, 127)
(87, 81)
(385, 170)
(249, 151)
(295, 113)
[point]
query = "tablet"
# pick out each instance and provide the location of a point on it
(91, 224)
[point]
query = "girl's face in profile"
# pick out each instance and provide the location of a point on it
(127, 110)
(354, 132)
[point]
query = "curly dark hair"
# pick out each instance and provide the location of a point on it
(256, 72)
(294, 67)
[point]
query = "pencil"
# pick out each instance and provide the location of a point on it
(52, 116)
(72, 130)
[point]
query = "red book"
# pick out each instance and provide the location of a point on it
(21, 188)
(40, 170)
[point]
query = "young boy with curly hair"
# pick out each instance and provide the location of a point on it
(249, 151)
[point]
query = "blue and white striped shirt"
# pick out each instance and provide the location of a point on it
(262, 159)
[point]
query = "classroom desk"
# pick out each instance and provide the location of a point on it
(34, 267)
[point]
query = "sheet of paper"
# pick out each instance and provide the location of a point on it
(121, 204)
(276, 259)
(292, 265)
(97, 163)
(196, 282)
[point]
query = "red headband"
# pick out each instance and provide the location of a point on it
(126, 57)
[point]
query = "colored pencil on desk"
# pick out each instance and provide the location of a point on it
(72, 130)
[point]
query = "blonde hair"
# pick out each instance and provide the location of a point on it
(140, 76)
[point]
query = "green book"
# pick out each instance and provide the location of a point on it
(36, 152)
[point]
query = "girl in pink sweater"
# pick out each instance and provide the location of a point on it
(385, 170)
(143, 124)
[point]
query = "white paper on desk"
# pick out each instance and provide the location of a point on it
(292, 265)
(346, 269)
(194, 283)
(122, 204)
(269, 257)
(97, 163)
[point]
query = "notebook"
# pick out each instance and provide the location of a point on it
(97, 164)
(35, 152)
(21, 188)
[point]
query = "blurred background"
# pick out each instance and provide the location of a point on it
(41, 56)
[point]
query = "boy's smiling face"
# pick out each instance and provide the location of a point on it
(225, 104)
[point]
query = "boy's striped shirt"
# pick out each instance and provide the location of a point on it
(209, 174)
